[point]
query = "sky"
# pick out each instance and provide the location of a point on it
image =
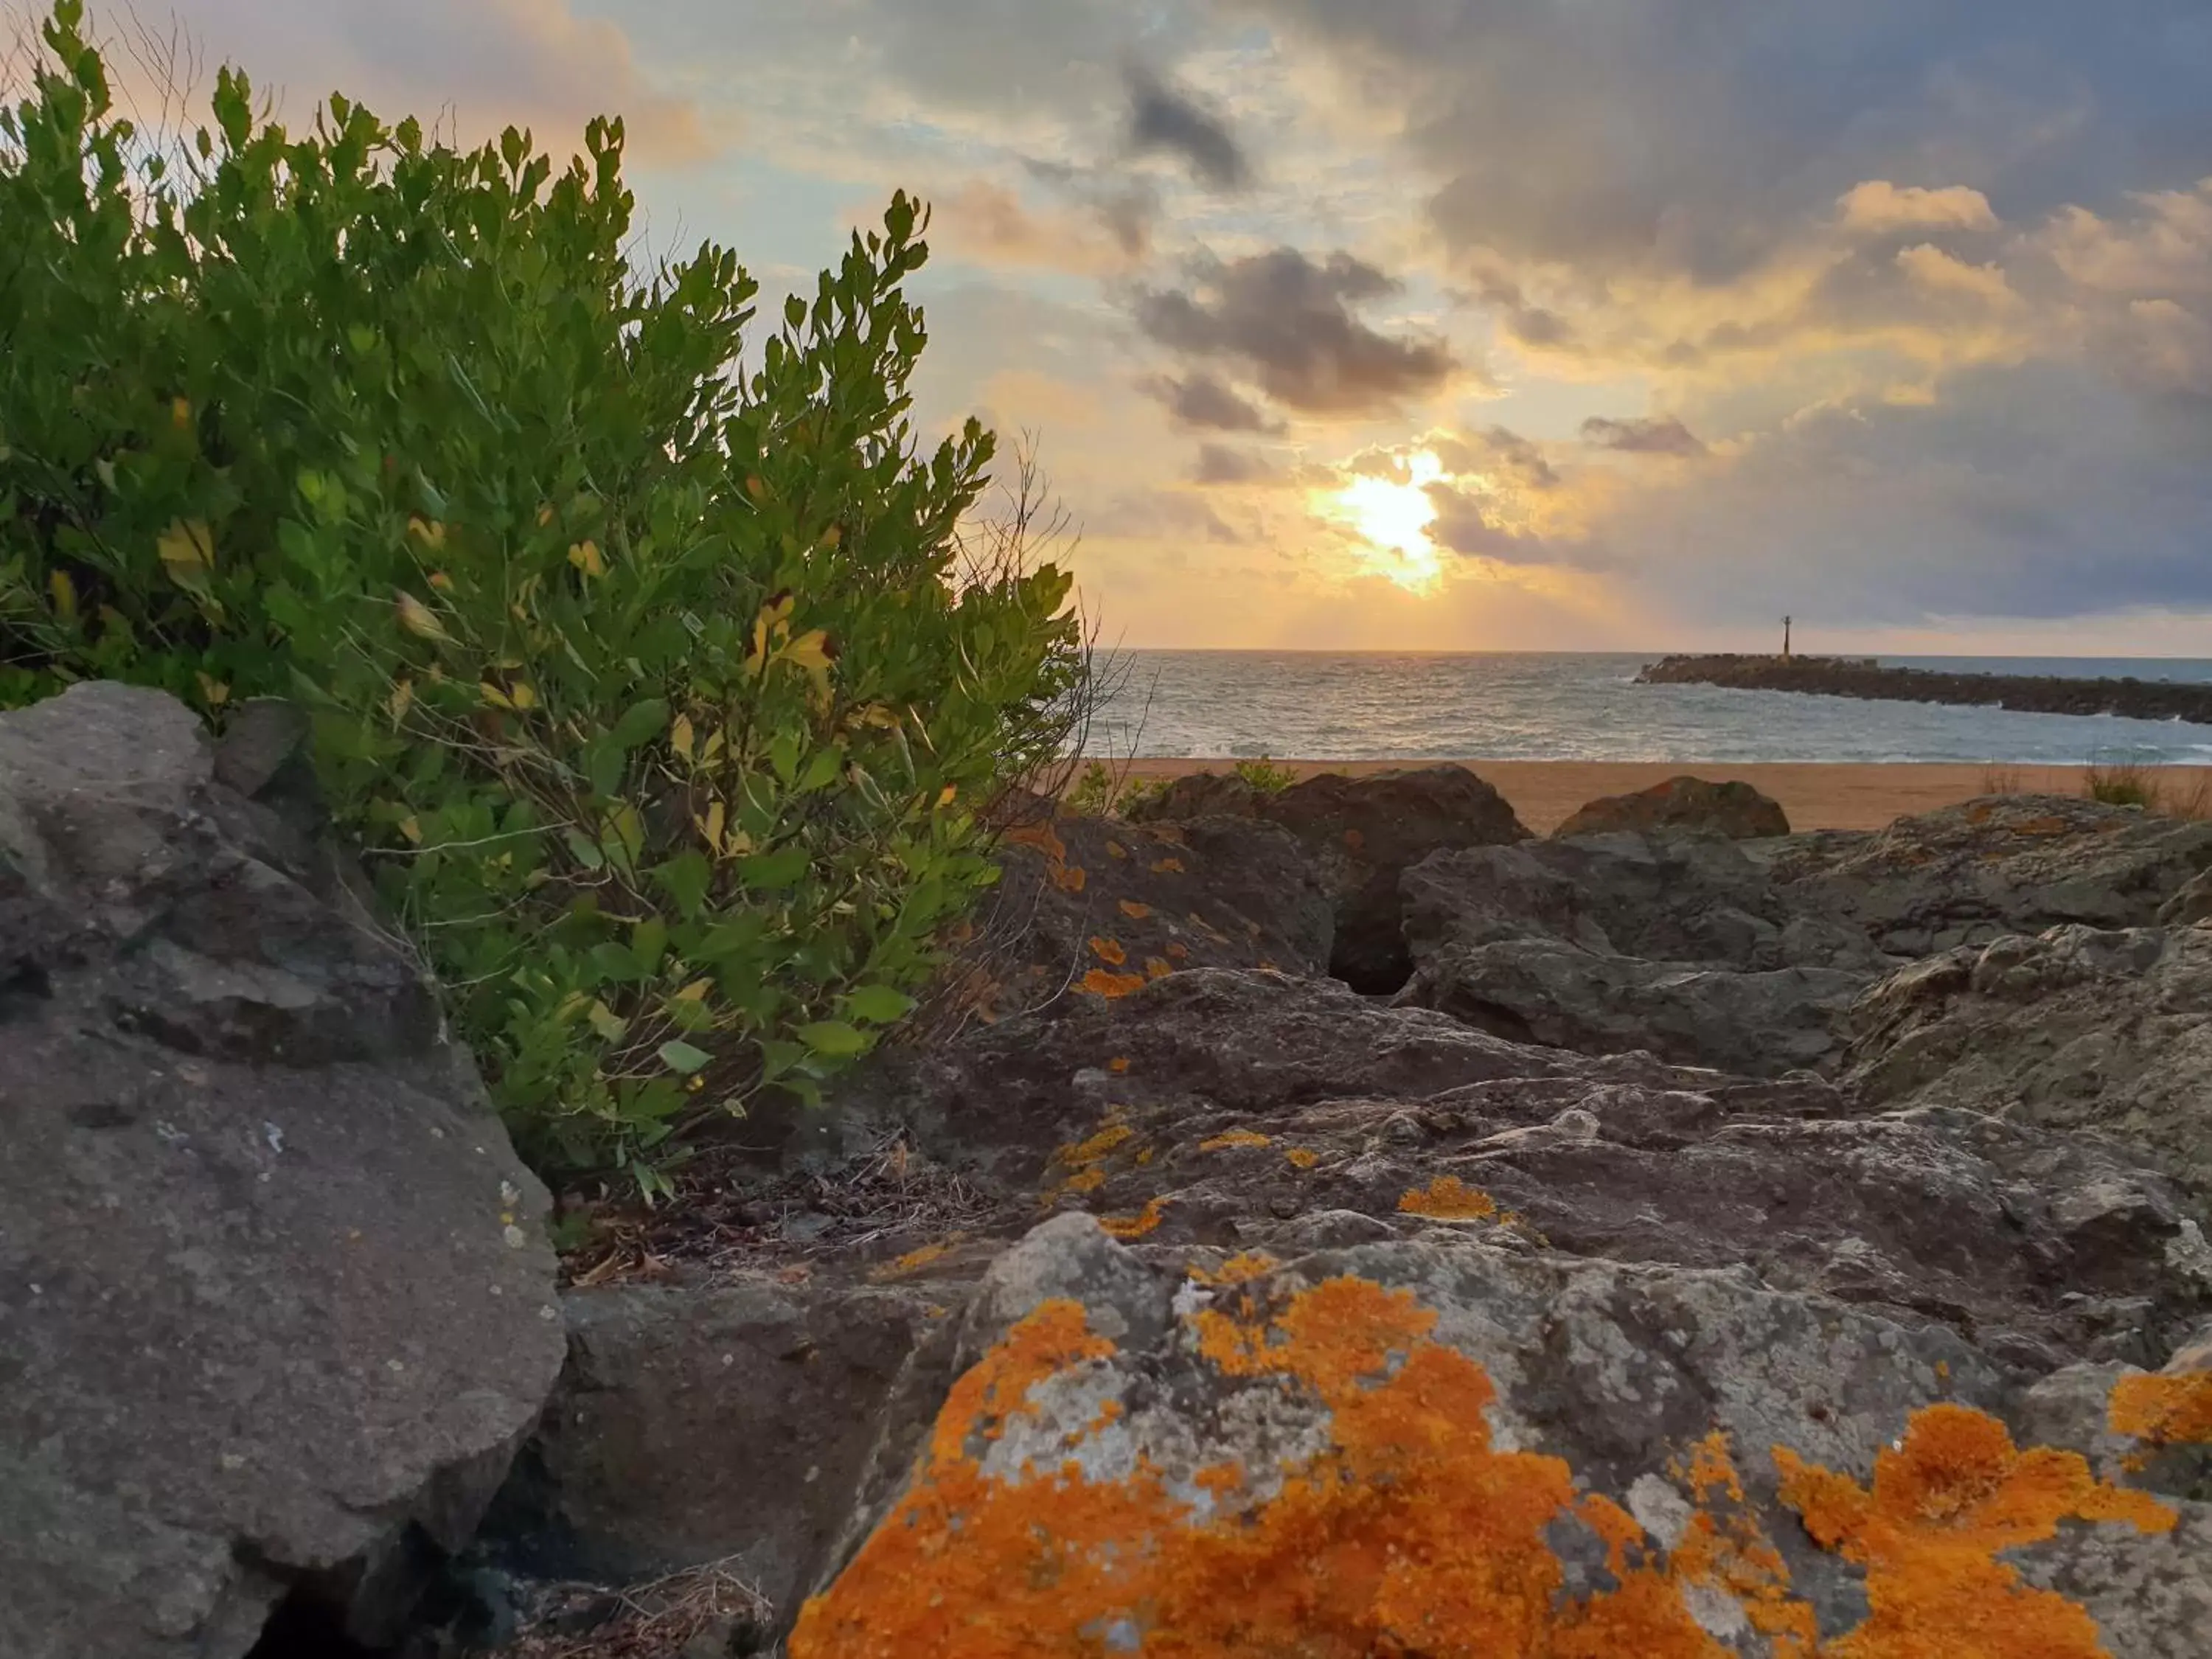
(1465, 324)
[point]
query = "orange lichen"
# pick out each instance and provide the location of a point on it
(1411, 1535)
(1951, 1495)
(1108, 950)
(1042, 837)
(1222, 1143)
(1135, 1226)
(1301, 1158)
(1450, 1199)
(1178, 952)
(1157, 968)
(1118, 1065)
(1135, 910)
(913, 1259)
(1082, 1159)
(1116, 850)
(1168, 868)
(1070, 878)
(1239, 1269)
(2164, 1410)
(1100, 983)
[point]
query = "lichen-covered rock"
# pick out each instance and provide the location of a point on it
(1968, 874)
(2192, 905)
(275, 1305)
(728, 1421)
(1545, 991)
(1733, 809)
(1094, 906)
(1199, 795)
(1444, 1449)
(1363, 833)
(2076, 1029)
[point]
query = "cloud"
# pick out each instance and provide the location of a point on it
(1201, 400)
(1654, 435)
(1219, 464)
(1292, 322)
(1467, 524)
(528, 63)
(1164, 119)
(1879, 208)
(1498, 452)
(1169, 513)
(989, 224)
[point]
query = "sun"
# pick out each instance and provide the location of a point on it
(1392, 519)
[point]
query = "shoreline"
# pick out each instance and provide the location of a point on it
(1815, 794)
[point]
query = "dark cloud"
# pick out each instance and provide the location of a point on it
(1172, 515)
(1219, 464)
(1201, 400)
(1162, 118)
(1292, 322)
(1126, 208)
(1464, 524)
(1648, 434)
(1497, 450)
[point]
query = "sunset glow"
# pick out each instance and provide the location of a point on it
(1393, 520)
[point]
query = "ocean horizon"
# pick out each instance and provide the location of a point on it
(1586, 706)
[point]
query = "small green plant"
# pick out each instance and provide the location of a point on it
(2122, 783)
(663, 698)
(1135, 792)
(1264, 775)
(1092, 793)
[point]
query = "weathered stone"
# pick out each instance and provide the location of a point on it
(1363, 833)
(1968, 874)
(722, 1422)
(1733, 809)
(1199, 795)
(2076, 1029)
(1239, 1453)
(1543, 991)
(275, 1305)
(2192, 905)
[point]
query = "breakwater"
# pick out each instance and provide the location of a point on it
(1859, 677)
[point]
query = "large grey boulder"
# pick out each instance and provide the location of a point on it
(1733, 809)
(1968, 874)
(275, 1304)
(1434, 1445)
(2076, 1029)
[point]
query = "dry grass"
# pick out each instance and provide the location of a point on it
(2167, 792)
(2003, 780)
(656, 1620)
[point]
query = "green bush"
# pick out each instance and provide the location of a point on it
(1264, 775)
(655, 689)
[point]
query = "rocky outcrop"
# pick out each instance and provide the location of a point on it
(2075, 1029)
(275, 1304)
(1363, 834)
(1733, 810)
(1434, 1445)
(1968, 874)
(1863, 676)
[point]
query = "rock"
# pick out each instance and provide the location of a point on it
(1236, 1455)
(720, 1422)
(2192, 905)
(1544, 991)
(1967, 874)
(1244, 1110)
(2076, 1029)
(1665, 898)
(1199, 795)
(1866, 677)
(1364, 833)
(1094, 906)
(1732, 809)
(275, 1304)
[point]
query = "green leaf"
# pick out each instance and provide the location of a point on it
(641, 723)
(833, 1039)
(772, 872)
(686, 878)
(683, 1057)
(878, 1005)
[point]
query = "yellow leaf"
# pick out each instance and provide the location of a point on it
(492, 694)
(180, 412)
(441, 582)
(411, 827)
(64, 592)
(213, 691)
(418, 619)
(428, 532)
(718, 816)
(585, 555)
(521, 696)
(812, 651)
(545, 513)
(679, 736)
(696, 990)
(402, 699)
(715, 742)
(946, 796)
(832, 536)
(187, 548)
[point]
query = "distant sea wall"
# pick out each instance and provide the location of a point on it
(1863, 676)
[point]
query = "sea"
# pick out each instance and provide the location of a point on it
(1310, 704)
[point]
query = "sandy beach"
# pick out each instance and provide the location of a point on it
(1815, 795)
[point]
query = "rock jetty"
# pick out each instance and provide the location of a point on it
(1863, 676)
